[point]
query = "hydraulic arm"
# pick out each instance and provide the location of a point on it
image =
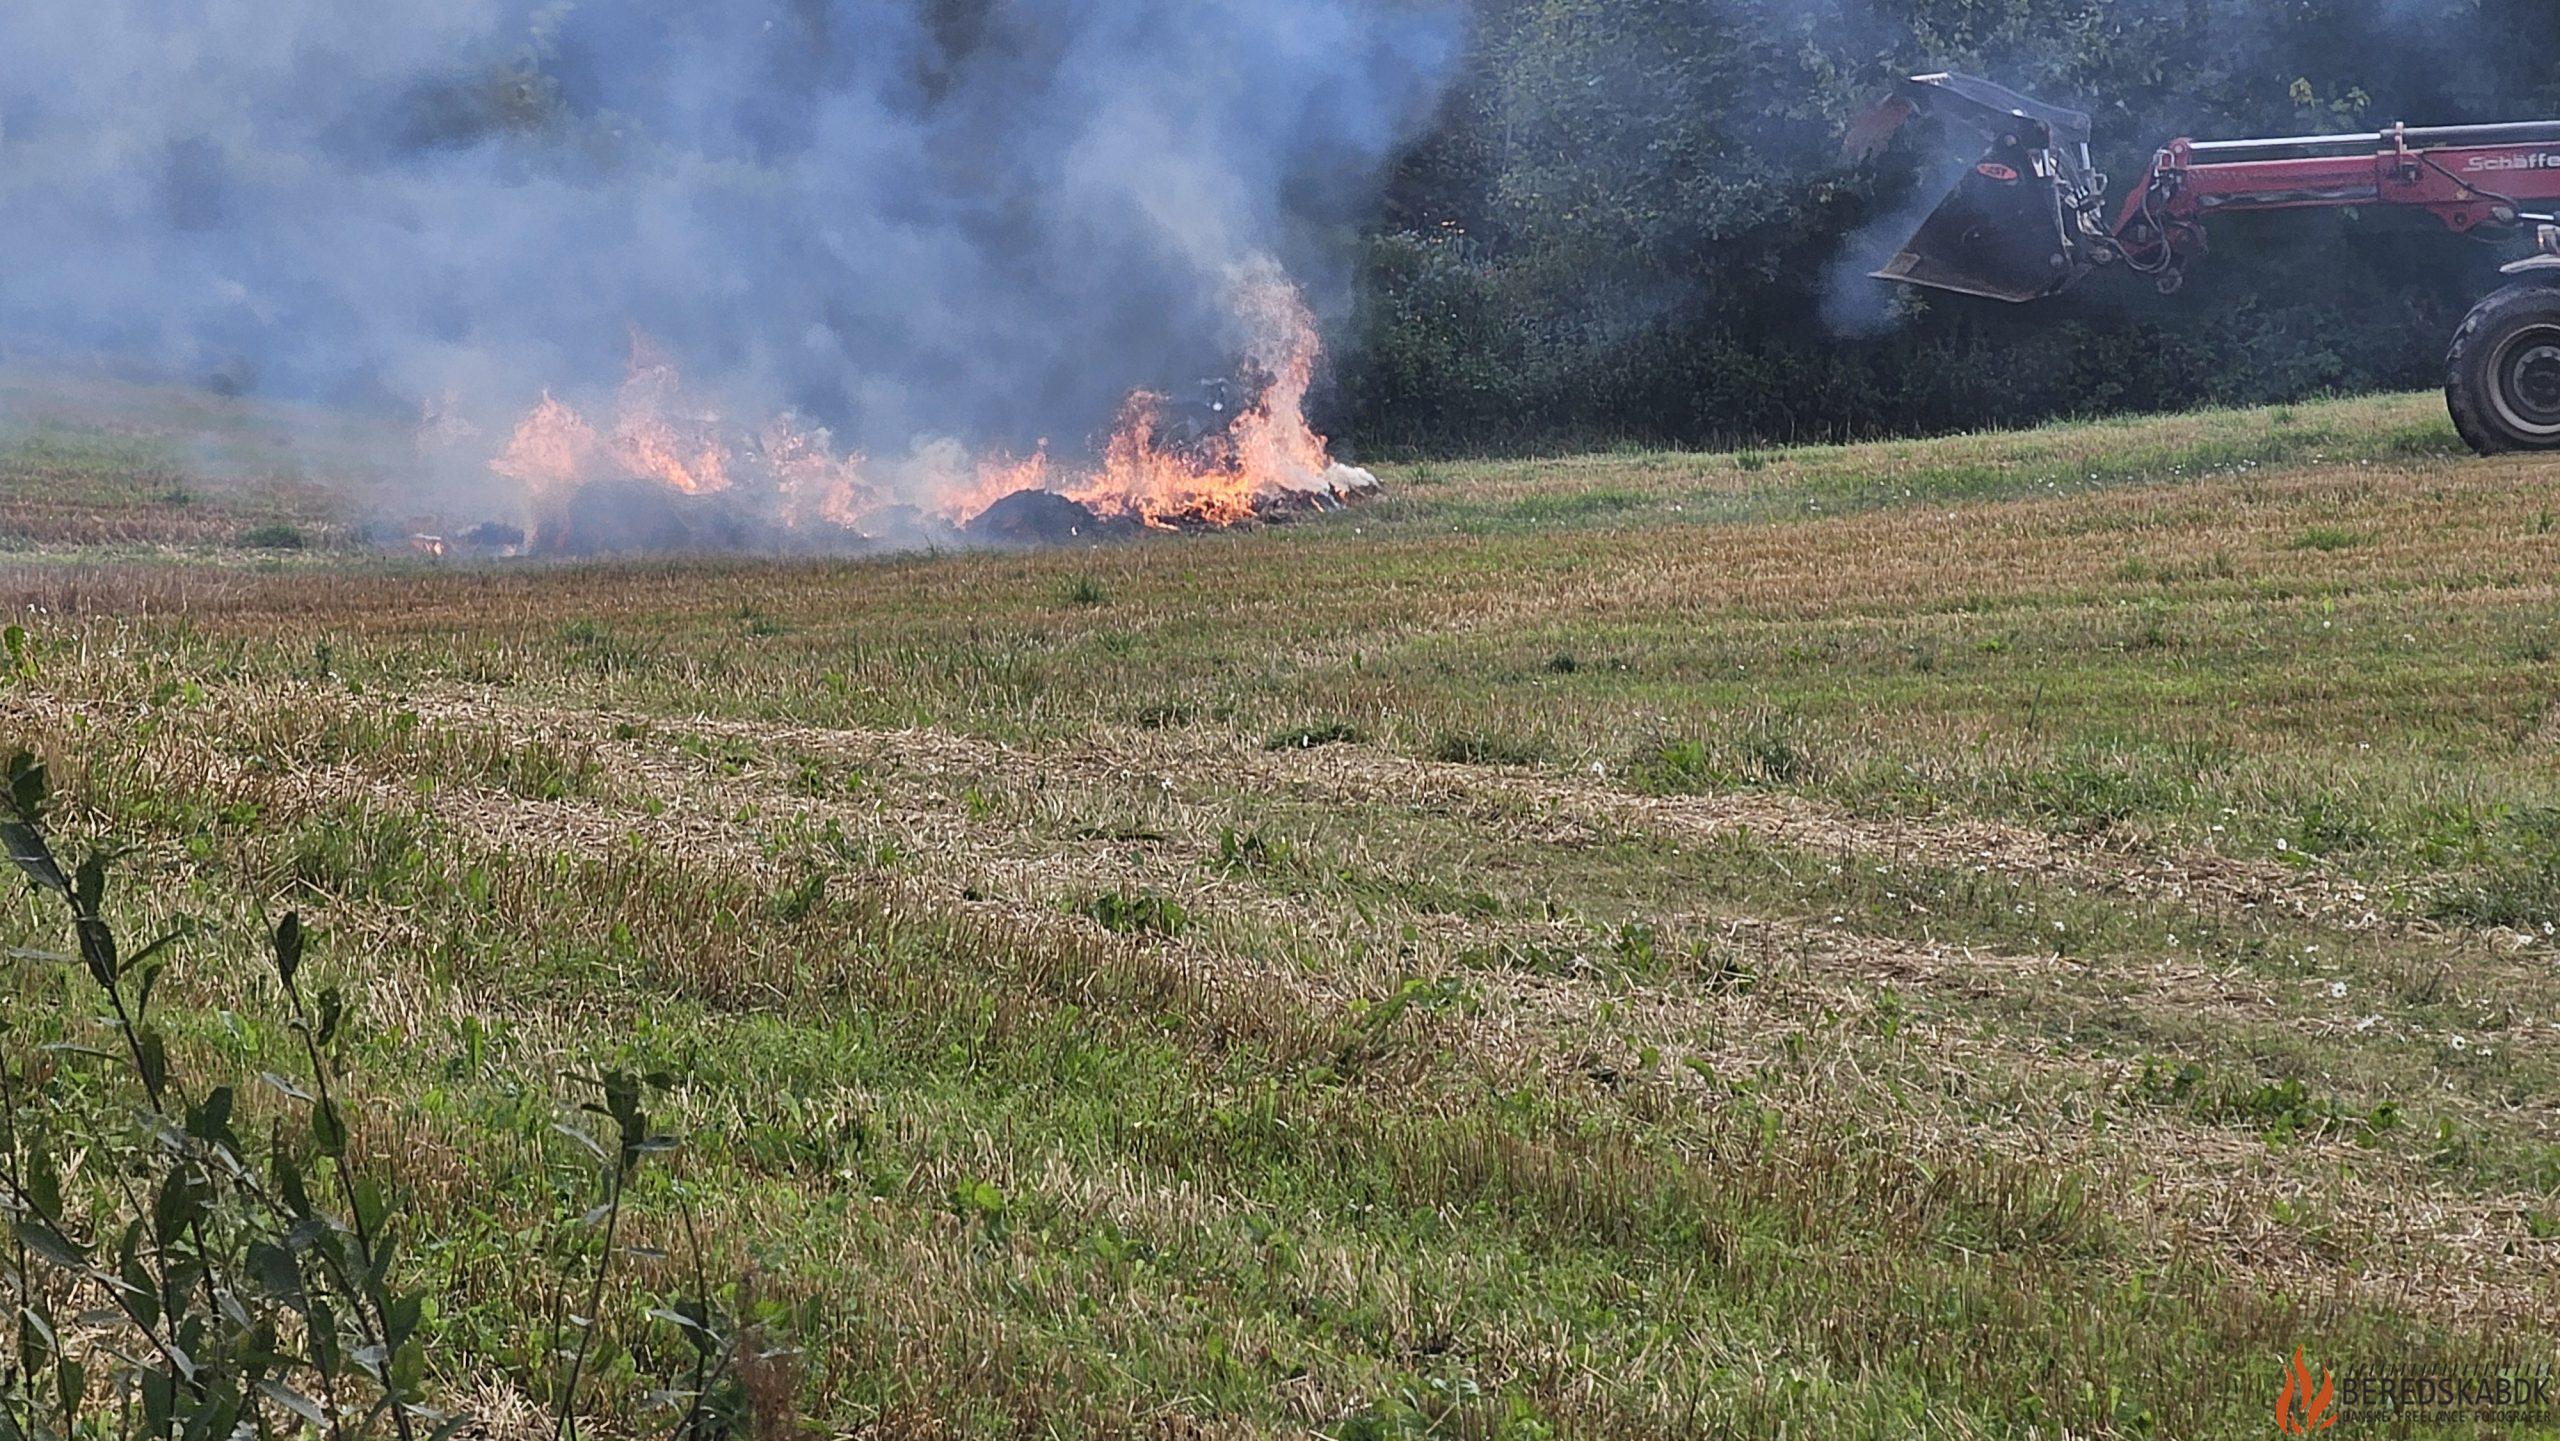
(2031, 217)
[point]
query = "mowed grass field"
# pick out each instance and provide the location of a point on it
(2012, 935)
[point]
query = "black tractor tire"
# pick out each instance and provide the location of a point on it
(2502, 381)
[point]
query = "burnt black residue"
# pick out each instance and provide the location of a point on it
(639, 517)
(645, 517)
(1039, 517)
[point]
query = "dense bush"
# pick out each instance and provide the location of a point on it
(200, 1261)
(1633, 224)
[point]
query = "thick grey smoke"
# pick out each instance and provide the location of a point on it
(979, 218)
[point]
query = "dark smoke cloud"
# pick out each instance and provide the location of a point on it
(982, 218)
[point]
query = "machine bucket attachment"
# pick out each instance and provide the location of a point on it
(2001, 234)
(2006, 228)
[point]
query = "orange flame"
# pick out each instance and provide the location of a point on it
(997, 477)
(2299, 1409)
(652, 440)
(552, 447)
(1156, 486)
(1274, 444)
(1269, 454)
(1265, 457)
(814, 483)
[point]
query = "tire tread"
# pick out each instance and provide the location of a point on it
(2466, 364)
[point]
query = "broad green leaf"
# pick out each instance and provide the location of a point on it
(582, 1138)
(210, 1119)
(27, 788)
(400, 1318)
(286, 1087)
(159, 1398)
(43, 1183)
(289, 947)
(151, 1054)
(175, 1207)
(40, 1237)
(272, 1267)
(294, 1401)
(327, 1130)
(171, 937)
(71, 1383)
(288, 1173)
(371, 1209)
(408, 1367)
(97, 948)
(32, 855)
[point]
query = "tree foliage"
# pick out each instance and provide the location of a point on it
(1633, 221)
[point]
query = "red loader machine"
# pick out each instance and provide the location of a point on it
(2031, 218)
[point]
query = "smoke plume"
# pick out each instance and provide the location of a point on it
(905, 220)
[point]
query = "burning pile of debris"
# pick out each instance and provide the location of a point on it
(663, 474)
